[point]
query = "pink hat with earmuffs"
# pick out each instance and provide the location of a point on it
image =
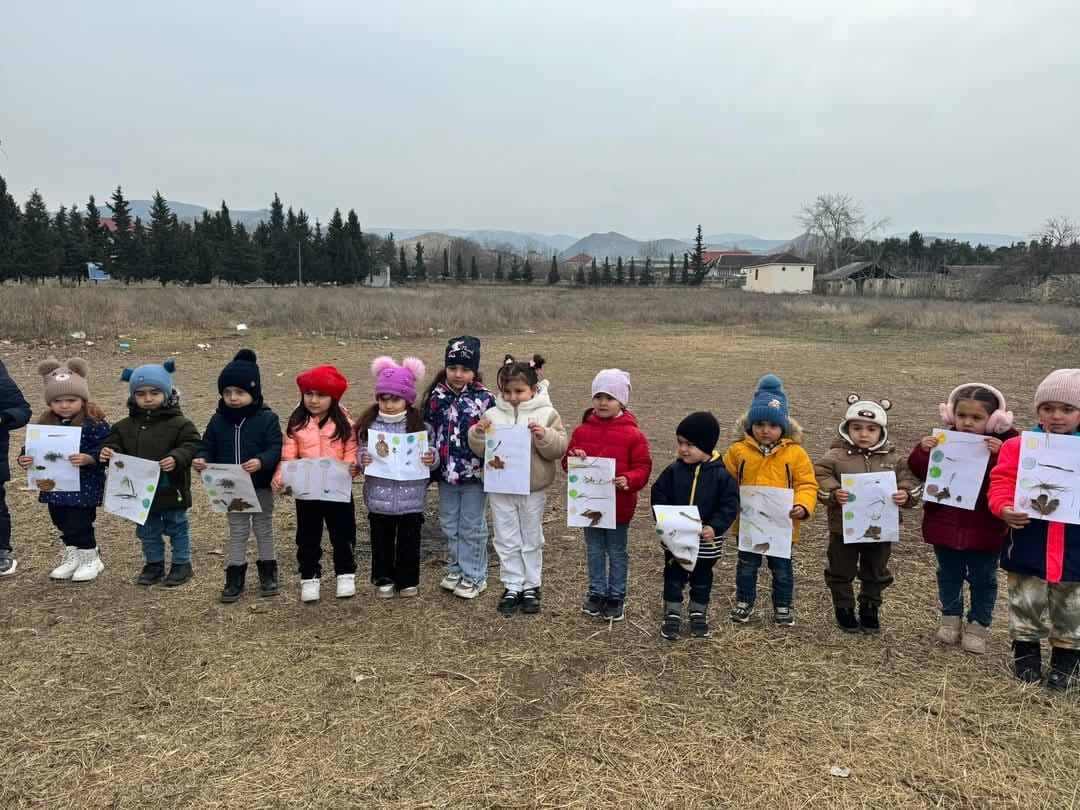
(1000, 420)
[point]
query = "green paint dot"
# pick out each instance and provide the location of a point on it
(411, 439)
(937, 455)
(573, 493)
(573, 479)
(146, 503)
(849, 515)
(396, 440)
(208, 478)
(851, 498)
(935, 472)
(150, 488)
(660, 532)
(211, 493)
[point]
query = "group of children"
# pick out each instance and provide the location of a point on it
(1042, 557)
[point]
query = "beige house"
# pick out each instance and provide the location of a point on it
(780, 273)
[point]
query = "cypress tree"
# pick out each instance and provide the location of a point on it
(498, 269)
(606, 278)
(620, 275)
(459, 269)
(527, 273)
(594, 276)
(671, 269)
(646, 279)
(553, 273)
(402, 266)
(697, 261)
(446, 263)
(685, 278)
(631, 276)
(515, 273)
(419, 268)
(474, 269)
(579, 277)
(122, 248)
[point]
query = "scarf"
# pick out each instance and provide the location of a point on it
(234, 416)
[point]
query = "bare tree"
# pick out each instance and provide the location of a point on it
(1060, 231)
(650, 250)
(840, 223)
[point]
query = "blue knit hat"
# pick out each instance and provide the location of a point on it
(150, 376)
(769, 403)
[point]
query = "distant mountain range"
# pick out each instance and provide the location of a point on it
(989, 239)
(491, 238)
(188, 212)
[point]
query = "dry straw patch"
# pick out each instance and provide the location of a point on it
(121, 697)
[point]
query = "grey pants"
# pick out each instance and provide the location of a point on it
(240, 526)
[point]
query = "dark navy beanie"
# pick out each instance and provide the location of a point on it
(242, 373)
(700, 429)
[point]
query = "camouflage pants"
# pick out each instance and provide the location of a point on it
(1031, 598)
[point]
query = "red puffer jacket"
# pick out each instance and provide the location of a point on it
(620, 439)
(960, 529)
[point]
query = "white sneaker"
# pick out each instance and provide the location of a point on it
(470, 590)
(90, 565)
(450, 581)
(412, 591)
(346, 585)
(309, 590)
(68, 565)
(381, 591)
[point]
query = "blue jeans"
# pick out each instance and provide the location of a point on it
(979, 568)
(463, 521)
(746, 571)
(607, 560)
(172, 522)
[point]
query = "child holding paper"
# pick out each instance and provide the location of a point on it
(863, 446)
(320, 428)
(769, 453)
(156, 429)
(395, 508)
(1042, 557)
(245, 431)
(967, 543)
(697, 477)
(14, 413)
(609, 430)
(518, 519)
(67, 396)
(454, 402)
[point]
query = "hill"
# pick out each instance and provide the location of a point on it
(743, 241)
(613, 245)
(520, 241)
(189, 212)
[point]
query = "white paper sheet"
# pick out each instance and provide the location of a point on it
(396, 456)
(130, 487)
(51, 446)
(957, 469)
(765, 525)
(679, 528)
(870, 516)
(317, 479)
(229, 488)
(1047, 477)
(590, 492)
(507, 459)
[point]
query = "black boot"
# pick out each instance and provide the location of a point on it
(846, 621)
(152, 573)
(1027, 661)
(868, 618)
(234, 583)
(1063, 670)
(268, 581)
(179, 573)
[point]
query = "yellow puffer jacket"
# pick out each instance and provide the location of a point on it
(787, 466)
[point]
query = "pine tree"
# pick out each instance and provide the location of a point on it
(446, 263)
(553, 273)
(123, 252)
(620, 274)
(515, 273)
(9, 233)
(631, 275)
(527, 273)
(36, 254)
(359, 262)
(685, 278)
(419, 268)
(459, 269)
(474, 269)
(594, 276)
(278, 255)
(697, 261)
(75, 250)
(646, 279)
(671, 269)
(59, 227)
(140, 250)
(498, 269)
(402, 266)
(606, 277)
(336, 253)
(163, 264)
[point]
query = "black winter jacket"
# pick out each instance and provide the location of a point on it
(258, 436)
(716, 494)
(14, 413)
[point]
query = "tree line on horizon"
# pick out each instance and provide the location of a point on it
(289, 249)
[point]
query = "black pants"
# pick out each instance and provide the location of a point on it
(76, 524)
(700, 579)
(340, 521)
(395, 549)
(868, 561)
(5, 522)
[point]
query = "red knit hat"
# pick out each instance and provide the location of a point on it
(324, 379)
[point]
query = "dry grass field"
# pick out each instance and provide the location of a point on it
(116, 696)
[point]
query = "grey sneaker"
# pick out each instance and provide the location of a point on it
(8, 563)
(593, 604)
(740, 614)
(699, 625)
(783, 616)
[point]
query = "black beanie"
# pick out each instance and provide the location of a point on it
(700, 429)
(242, 373)
(463, 351)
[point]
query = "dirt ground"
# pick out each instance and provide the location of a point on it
(117, 696)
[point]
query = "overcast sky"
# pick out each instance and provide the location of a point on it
(557, 116)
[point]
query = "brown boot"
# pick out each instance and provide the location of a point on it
(949, 631)
(976, 638)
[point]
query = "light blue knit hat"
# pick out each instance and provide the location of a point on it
(151, 376)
